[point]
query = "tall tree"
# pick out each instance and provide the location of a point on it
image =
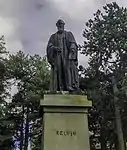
(31, 76)
(106, 44)
(5, 117)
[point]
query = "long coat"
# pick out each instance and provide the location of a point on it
(54, 60)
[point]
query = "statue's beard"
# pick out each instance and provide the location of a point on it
(60, 31)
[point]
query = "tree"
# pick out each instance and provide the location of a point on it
(101, 116)
(31, 76)
(105, 44)
(2, 67)
(5, 122)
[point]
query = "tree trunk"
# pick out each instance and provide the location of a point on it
(102, 139)
(21, 130)
(118, 118)
(26, 130)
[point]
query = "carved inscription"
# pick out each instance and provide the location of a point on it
(65, 133)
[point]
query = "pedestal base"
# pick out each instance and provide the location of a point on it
(65, 122)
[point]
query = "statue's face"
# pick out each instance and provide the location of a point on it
(60, 28)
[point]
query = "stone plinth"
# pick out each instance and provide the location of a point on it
(65, 122)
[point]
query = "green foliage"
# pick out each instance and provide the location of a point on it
(30, 74)
(106, 38)
(105, 44)
(2, 67)
(6, 124)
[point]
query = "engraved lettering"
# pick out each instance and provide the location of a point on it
(61, 132)
(71, 133)
(65, 133)
(74, 133)
(57, 132)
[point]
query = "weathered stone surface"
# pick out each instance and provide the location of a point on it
(66, 100)
(65, 122)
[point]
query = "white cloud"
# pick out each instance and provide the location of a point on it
(6, 27)
(77, 9)
(8, 30)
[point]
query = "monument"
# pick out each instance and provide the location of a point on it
(62, 54)
(65, 124)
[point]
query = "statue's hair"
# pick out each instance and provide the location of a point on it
(60, 21)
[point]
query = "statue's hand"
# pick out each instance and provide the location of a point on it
(57, 49)
(72, 54)
(73, 50)
(76, 63)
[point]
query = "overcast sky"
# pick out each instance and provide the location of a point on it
(28, 24)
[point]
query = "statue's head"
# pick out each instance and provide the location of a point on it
(60, 25)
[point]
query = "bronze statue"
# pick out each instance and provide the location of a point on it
(62, 54)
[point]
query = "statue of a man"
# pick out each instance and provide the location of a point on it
(62, 53)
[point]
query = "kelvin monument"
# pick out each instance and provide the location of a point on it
(62, 54)
(65, 124)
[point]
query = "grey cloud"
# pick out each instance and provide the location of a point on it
(34, 20)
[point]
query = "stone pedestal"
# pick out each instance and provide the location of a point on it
(65, 122)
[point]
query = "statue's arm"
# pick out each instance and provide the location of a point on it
(73, 47)
(50, 43)
(50, 50)
(72, 41)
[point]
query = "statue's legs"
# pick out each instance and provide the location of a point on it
(53, 87)
(76, 78)
(69, 76)
(72, 76)
(61, 72)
